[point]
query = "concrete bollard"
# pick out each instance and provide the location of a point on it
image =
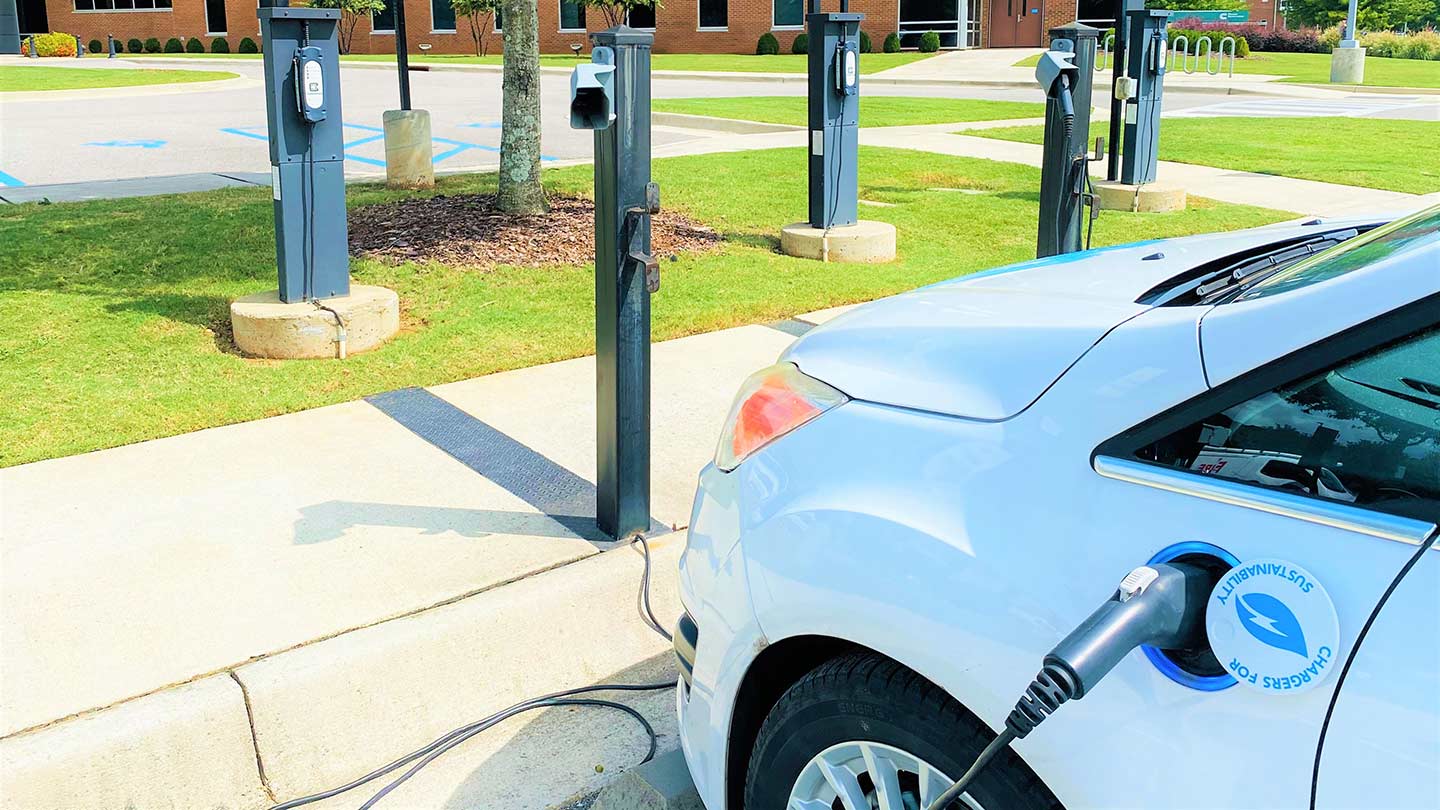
(1347, 65)
(408, 159)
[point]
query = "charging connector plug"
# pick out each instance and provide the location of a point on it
(1159, 605)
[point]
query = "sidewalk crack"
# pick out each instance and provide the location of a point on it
(254, 738)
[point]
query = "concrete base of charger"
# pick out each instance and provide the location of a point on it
(1151, 198)
(865, 242)
(264, 326)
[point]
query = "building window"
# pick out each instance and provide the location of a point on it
(788, 13)
(122, 5)
(215, 24)
(572, 16)
(442, 16)
(383, 21)
(642, 17)
(714, 15)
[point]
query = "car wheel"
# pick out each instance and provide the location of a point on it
(862, 732)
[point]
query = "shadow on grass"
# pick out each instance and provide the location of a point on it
(209, 312)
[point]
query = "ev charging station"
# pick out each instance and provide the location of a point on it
(9, 27)
(307, 184)
(611, 96)
(1149, 51)
(833, 230)
(1141, 55)
(1065, 73)
(307, 170)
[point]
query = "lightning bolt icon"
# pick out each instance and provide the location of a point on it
(1261, 620)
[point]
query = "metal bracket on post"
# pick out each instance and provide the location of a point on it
(611, 96)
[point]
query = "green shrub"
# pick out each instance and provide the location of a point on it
(866, 46)
(219, 45)
(52, 44)
(892, 43)
(194, 45)
(801, 44)
(134, 45)
(768, 45)
(174, 45)
(247, 45)
(152, 45)
(95, 46)
(929, 42)
(1423, 44)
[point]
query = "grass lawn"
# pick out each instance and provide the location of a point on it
(708, 62)
(875, 111)
(1369, 152)
(116, 312)
(54, 78)
(1314, 68)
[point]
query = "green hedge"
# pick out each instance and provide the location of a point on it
(152, 45)
(892, 43)
(194, 45)
(219, 45)
(801, 44)
(866, 46)
(768, 45)
(929, 42)
(247, 45)
(95, 46)
(134, 45)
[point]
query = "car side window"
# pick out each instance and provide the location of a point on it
(1365, 431)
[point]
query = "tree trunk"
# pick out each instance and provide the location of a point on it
(520, 191)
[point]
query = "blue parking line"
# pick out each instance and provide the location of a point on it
(366, 139)
(245, 133)
(456, 147)
(10, 180)
(359, 159)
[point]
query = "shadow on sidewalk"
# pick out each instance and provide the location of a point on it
(324, 522)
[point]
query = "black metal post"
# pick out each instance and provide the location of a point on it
(1117, 66)
(625, 275)
(402, 54)
(110, 46)
(1067, 131)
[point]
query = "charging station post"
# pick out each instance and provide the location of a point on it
(1141, 92)
(834, 231)
(313, 312)
(611, 95)
(1066, 73)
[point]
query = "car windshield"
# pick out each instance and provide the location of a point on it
(1401, 236)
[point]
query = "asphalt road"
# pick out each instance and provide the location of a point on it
(179, 129)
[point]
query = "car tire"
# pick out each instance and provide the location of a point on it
(867, 697)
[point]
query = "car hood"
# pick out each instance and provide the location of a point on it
(986, 346)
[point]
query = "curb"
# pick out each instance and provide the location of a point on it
(318, 715)
(661, 784)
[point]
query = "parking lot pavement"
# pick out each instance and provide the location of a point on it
(344, 584)
(78, 136)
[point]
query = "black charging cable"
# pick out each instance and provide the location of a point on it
(434, 750)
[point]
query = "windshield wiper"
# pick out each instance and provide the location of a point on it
(1211, 287)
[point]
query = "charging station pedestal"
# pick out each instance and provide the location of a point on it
(1066, 73)
(313, 312)
(834, 231)
(1147, 53)
(611, 95)
(409, 159)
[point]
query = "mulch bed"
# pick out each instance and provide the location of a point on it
(468, 230)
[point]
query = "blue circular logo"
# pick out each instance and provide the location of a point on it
(1273, 626)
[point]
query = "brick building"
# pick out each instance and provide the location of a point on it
(680, 26)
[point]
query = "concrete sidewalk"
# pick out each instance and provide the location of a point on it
(1227, 185)
(251, 613)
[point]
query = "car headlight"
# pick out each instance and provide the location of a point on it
(771, 403)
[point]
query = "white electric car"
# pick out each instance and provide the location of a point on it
(926, 494)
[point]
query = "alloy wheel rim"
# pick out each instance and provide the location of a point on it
(861, 775)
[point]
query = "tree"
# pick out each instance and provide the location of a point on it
(480, 14)
(520, 191)
(1371, 15)
(350, 13)
(617, 12)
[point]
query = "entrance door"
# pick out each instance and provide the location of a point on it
(1016, 23)
(215, 17)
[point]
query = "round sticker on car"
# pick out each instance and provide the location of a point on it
(1273, 627)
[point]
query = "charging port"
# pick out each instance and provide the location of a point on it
(1194, 665)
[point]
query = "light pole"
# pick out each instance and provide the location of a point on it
(1347, 62)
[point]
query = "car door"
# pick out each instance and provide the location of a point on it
(1329, 460)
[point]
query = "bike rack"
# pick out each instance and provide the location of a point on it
(1214, 57)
